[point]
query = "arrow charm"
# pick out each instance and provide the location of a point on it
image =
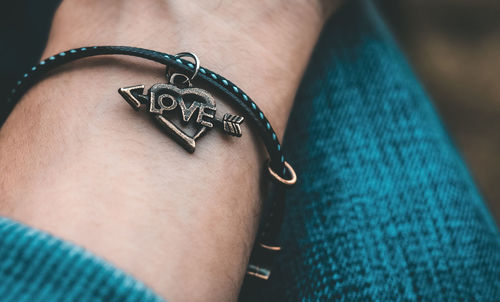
(168, 104)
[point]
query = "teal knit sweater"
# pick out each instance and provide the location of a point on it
(35, 266)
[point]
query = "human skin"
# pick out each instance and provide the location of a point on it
(78, 162)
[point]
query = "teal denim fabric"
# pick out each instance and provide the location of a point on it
(384, 208)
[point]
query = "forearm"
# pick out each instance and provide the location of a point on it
(257, 45)
(83, 165)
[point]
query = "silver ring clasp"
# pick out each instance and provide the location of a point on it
(196, 61)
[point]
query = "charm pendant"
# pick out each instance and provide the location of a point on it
(185, 113)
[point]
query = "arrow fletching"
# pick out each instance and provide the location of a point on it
(232, 124)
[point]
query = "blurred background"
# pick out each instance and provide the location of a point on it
(453, 46)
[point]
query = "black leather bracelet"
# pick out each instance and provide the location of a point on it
(161, 101)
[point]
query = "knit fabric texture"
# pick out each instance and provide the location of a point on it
(35, 266)
(384, 208)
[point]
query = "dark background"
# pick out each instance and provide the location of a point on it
(24, 27)
(453, 45)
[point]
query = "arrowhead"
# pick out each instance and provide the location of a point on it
(133, 95)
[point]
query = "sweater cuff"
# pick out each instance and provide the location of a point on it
(35, 266)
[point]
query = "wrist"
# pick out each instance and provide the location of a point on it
(111, 182)
(241, 39)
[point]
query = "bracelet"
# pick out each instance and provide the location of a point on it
(160, 102)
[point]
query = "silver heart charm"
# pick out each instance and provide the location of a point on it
(165, 101)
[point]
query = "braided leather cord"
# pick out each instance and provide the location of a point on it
(274, 209)
(230, 90)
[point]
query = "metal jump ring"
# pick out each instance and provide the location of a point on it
(186, 80)
(288, 182)
(196, 62)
